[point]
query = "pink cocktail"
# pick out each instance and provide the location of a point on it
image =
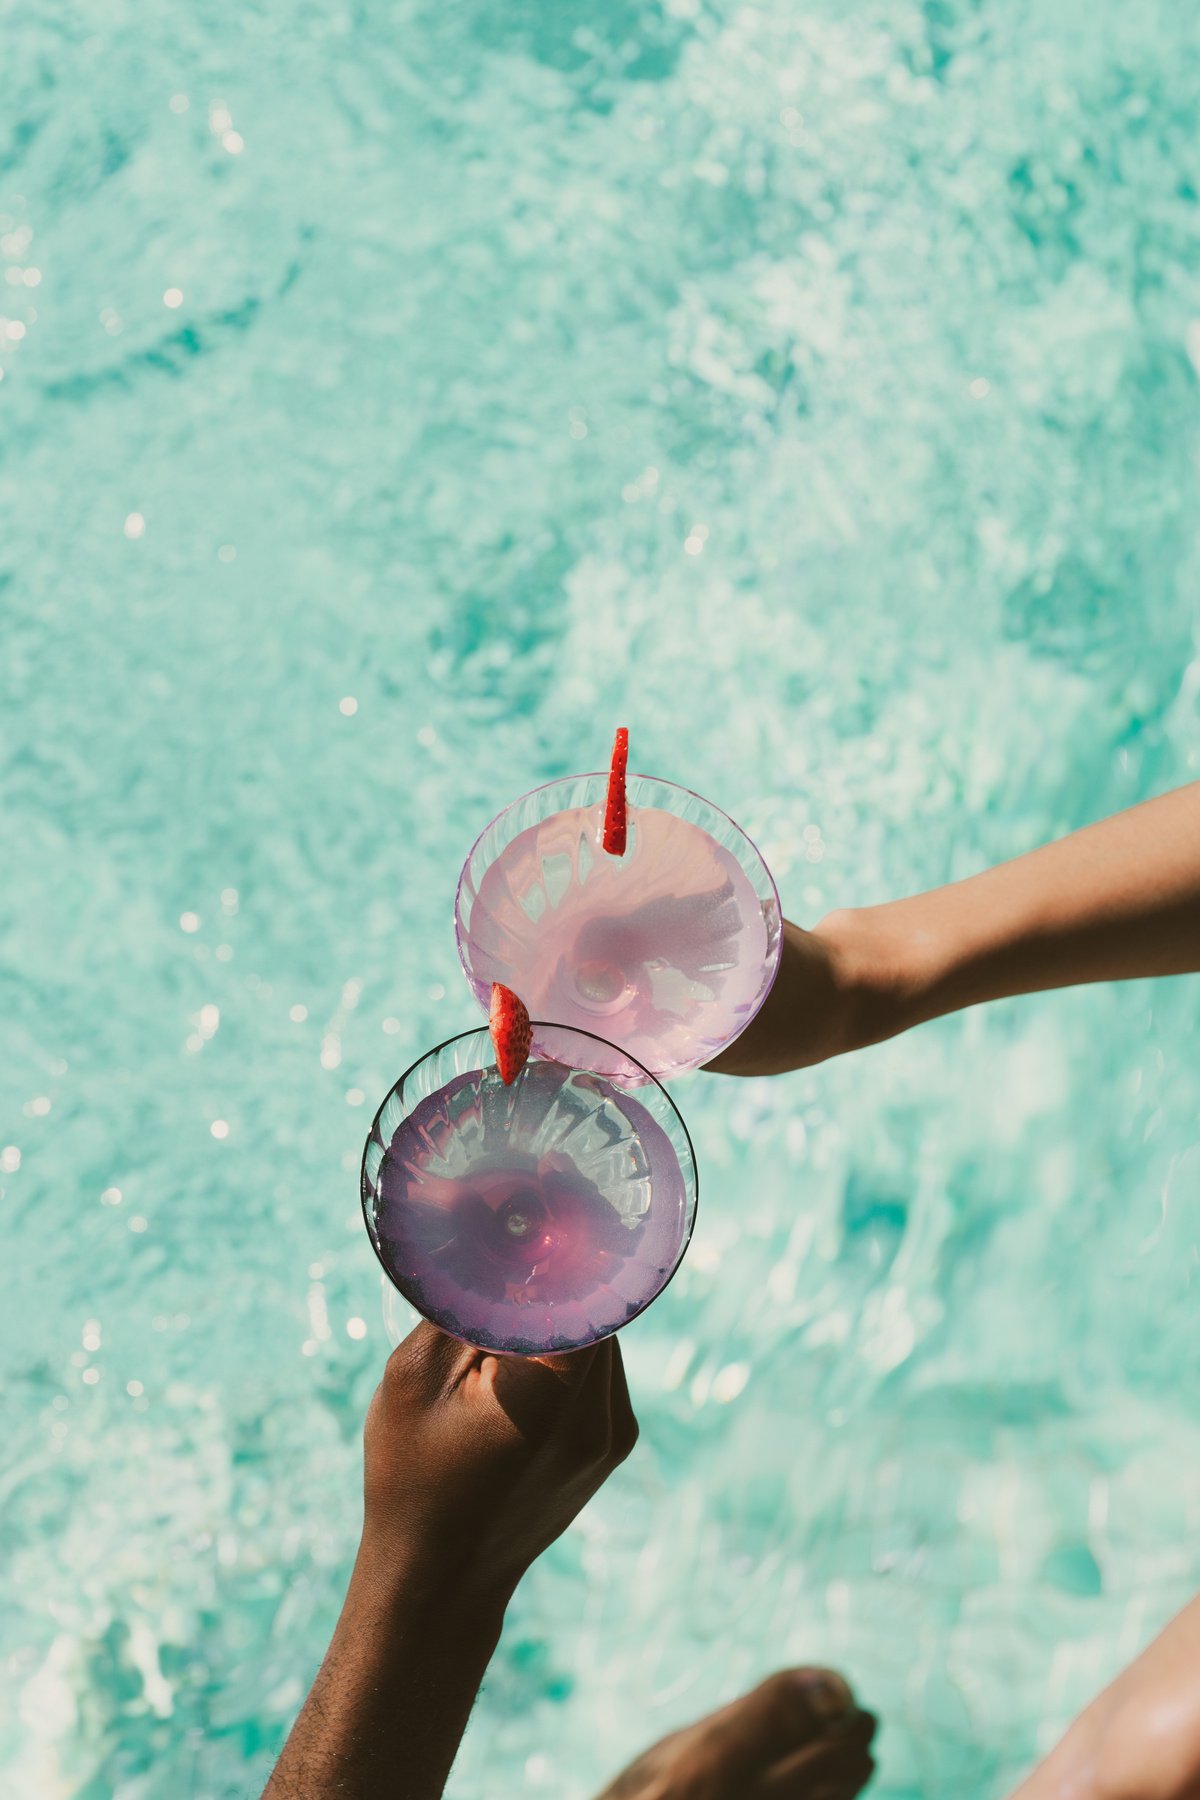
(667, 951)
(535, 1217)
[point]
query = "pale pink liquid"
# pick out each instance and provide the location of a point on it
(662, 951)
(489, 1225)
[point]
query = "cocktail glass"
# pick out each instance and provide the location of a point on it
(536, 1217)
(668, 950)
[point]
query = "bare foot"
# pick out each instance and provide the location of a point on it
(798, 1736)
(1140, 1738)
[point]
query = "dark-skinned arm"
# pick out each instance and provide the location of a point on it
(474, 1465)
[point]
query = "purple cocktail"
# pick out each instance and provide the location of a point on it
(668, 950)
(535, 1217)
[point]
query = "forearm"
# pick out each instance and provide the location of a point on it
(390, 1703)
(1114, 901)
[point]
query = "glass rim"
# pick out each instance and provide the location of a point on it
(365, 1185)
(602, 775)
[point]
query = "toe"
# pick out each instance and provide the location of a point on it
(818, 1777)
(801, 1703)
(788, 1712)
(835, 1767)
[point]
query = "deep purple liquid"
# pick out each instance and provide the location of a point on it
(534, 1218)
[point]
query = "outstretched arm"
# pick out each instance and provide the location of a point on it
(474, 1465)
(1111, 902)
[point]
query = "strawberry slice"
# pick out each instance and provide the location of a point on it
(614, 809)
(511, 1032)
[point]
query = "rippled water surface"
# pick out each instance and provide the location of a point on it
(394, 399)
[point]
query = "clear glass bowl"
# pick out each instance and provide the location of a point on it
(537, 1217)
(668, 951)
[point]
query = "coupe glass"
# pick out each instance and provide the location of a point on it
(668, 950)
(536, 1217)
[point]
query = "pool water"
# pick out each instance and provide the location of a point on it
(393, 402)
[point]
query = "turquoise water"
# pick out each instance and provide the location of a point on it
(814, 391)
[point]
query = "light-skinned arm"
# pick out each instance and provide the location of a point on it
(1112, 902)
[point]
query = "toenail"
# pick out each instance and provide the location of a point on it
(828, 1696)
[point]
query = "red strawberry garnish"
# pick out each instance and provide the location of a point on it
(614, 810)
(511, 1032)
